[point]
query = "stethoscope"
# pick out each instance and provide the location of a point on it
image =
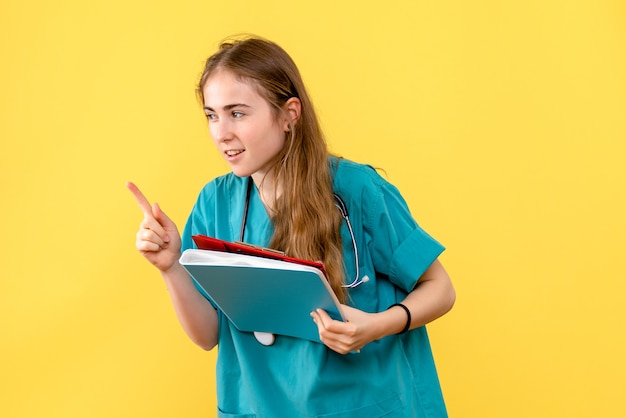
(267, 338)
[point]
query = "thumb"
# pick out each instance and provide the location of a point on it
(162, 218)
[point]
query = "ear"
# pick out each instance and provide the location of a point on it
(292, 108)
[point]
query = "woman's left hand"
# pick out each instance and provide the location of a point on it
(359, 329)
(432, 297)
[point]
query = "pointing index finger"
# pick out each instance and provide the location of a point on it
(143, 203)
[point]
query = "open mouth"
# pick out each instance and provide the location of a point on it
(233, 152)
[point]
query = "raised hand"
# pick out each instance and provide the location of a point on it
(158, 239)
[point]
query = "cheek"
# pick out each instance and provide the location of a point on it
(212, 132)
(274, 142)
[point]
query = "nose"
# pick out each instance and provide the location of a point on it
(221, 131)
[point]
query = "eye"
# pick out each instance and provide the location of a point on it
(237, 114)
(211, 116)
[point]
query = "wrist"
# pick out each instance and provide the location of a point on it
(173, 270)
(405, 313)
(391, 321)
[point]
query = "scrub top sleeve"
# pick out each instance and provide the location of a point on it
(197, 224)
(201, 219)
(400, 248)
(186, 240)
(413, 257)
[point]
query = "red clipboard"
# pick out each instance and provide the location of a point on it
(204, 242)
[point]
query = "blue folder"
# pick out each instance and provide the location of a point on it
(261, 294)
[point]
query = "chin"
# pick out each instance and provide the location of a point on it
(239, 172)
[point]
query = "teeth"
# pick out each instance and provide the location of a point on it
(230, 153)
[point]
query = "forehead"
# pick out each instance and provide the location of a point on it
(224, 88)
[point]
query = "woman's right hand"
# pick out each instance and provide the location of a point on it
(158, 239)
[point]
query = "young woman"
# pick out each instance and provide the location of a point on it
(382, 266)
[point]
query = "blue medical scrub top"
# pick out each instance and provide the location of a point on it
(392, 377)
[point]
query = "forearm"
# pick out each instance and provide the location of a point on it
(433, 297)
(196, 315)
(430, 300)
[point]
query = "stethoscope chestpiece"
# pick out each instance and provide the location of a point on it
(265, 338)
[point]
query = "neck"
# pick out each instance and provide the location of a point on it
(268, 192)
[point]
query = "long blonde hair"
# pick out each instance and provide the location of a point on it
(306, 222)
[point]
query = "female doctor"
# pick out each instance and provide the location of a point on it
(287, 192)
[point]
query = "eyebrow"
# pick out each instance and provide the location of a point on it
(227, 107)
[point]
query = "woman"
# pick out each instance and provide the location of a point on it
(382, 266)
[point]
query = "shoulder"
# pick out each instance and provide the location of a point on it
(355, 179)
(365, 191)
(350, 174)
(222, 185)
(219, 191)
(213, 207)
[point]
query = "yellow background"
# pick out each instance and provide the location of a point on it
(502, 122)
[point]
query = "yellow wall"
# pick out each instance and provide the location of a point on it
(503, 123)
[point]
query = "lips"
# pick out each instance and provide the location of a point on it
(233, 152)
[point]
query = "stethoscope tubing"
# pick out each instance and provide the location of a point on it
(341, 205)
